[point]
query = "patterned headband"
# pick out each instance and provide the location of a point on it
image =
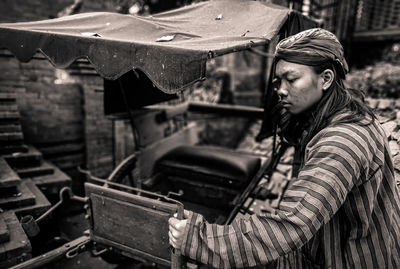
(311, 46)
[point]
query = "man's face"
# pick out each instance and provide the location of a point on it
(297, 85)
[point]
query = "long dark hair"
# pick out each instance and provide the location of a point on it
(336, 99)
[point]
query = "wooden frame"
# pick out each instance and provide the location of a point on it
(134, 225)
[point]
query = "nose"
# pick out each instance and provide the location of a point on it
(282, 90)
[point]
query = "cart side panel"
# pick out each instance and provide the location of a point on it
(136, 226)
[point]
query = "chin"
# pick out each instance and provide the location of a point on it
(294, 112)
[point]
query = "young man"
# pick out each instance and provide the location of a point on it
(342, 208)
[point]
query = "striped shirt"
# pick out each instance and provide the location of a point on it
(341, 211)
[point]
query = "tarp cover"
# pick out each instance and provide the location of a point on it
(116, 43)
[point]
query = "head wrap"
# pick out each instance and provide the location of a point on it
(313, 47)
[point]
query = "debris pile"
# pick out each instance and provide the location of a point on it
(388, 111)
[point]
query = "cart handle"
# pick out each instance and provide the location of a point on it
(169, 112)
(176, 255)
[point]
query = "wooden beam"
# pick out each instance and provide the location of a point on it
(377, 35)
(227, 110)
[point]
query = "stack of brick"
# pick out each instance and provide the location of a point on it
(25, 179)
(69, 140)
(62, 113)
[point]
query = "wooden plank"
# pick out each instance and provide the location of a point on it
(377, 35)
(9, 107)
(31, 158)
(8, 177)
(18, 147)
(112, 221)
(131, 252)
(147, 231)
(41, 203)
(44, 169)
(9, 115)
(65, 147)
(130, 198)
(54, 133)
(9, 87)
(229, 110)
(12, 127)
(68, 160)
(23, 197)
(8, 96)
(13, 136)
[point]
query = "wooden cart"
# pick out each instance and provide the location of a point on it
(138, 57)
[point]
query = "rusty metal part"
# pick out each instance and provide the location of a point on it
(68, 250)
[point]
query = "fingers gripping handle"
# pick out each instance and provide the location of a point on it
(176, 257)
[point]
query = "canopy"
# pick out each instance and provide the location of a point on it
(171, 48)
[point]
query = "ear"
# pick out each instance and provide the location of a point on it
(326, 78)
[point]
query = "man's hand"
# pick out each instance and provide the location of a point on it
(176, 230)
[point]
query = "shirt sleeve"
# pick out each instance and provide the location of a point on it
(332, 167)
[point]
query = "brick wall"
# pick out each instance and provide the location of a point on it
(62, 111)
(98, 128)
(23, 10)
(61, 117)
